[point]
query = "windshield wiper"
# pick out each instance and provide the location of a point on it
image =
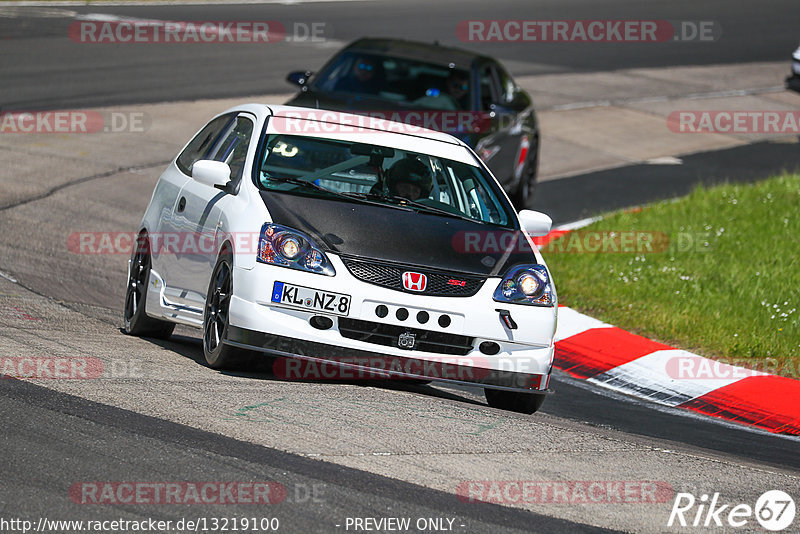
(300, 181)
(361, 197)
(395, 201)
(398, 200)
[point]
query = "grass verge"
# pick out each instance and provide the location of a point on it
(716, 272)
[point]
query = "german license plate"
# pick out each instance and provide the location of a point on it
(306, 298)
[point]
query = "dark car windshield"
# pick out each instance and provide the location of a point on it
(405, 81)
(335, 169)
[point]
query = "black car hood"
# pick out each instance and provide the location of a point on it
(401, 235)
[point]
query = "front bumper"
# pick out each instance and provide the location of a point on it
(523, 362)
(354, 364)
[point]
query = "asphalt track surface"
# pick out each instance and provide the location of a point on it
(63, 438)
(92, 438)
(43, 69)
(572, 198)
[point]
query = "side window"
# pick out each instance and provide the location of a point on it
(488, 90)
(232, 145)
(332, 72)
(507, 86)
(203, 142)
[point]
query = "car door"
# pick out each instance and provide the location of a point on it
(499, 149)
(166, 237)
(199, 208)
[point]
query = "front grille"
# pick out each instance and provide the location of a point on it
(391, 276)
(388, 335)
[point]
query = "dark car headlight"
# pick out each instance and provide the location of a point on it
(286, 247)
(527, 284)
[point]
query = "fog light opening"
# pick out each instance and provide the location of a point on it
(320, 322)
(490, 348)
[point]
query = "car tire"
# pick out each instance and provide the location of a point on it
(527, 181)
(137, 322)
(514, 401)
(218, 354)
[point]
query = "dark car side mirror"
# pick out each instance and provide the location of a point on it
(521, 100)
(299, 77)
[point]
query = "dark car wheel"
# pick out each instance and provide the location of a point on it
(137, 323)
(514, 401)
(527, 181)
(218, 354)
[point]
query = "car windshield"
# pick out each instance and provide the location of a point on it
(346, 170)
(404, 81)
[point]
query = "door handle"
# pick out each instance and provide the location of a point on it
(181, 204)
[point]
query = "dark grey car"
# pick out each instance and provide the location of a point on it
(468, 95)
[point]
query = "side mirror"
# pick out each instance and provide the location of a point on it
(535, 223)
(521, 101)
(213, 173)
(299, 77)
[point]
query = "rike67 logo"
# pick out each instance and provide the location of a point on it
(774, 511)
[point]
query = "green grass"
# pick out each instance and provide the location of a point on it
(734, 293)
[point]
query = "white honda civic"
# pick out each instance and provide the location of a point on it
(374, 248)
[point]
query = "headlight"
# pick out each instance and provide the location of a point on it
(528, 284)
(289, 247)
(285, 247)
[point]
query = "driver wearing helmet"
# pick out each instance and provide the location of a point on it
(409, 178)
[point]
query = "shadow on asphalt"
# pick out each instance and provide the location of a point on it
(260, 368)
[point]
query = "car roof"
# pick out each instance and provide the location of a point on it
(364, 123)
(428, 52)
(358, 128)
(342, 117)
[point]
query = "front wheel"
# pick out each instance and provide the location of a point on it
(514, 401)
(137, 322)
(215, 319)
